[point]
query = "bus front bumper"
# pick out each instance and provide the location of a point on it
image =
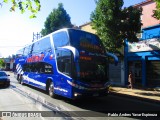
(96, 93)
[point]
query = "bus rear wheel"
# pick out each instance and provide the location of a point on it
(21, 80)
(51, 90)
(17, 77)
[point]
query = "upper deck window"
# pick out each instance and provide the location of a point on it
(60, 39)
(43, 45)
(27, 50)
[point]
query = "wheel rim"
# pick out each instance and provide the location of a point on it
(51, 89)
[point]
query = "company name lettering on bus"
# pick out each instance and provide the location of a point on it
(35, 58)
(90, 47)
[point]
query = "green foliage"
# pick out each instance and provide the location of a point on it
(57, 19)
(114, 24)
(31, 5)
(157, 11)
(2, 64)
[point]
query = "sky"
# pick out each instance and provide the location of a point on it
(16, 29)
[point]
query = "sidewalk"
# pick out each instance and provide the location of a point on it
(148, 95)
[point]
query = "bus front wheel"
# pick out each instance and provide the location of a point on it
(51, 90)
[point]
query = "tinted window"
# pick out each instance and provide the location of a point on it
(64, 62)
(27, 50)
(36, 48)
(85, 41)
(45, 44)
(20, 52)
(42, 46)
(39, 67)
(94, 69)
(60, 39)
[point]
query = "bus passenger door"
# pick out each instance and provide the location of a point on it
(64, 66)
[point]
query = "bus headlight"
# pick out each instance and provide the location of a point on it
(77, 94)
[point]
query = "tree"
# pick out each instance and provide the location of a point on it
(157, 11)
(31, 5)
(57, 19)
(114, 24)
(2, 64)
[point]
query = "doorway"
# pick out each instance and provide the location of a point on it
(136, 68)
(153, 73)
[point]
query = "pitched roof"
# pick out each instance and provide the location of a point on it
(143, 3)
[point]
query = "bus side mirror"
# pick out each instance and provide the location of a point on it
(113, 56)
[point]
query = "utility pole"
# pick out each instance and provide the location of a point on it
(36, 36)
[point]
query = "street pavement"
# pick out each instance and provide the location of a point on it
(151, 95)
(12, 101)
(19, 104)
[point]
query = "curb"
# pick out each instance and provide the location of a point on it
(54, 110)
(41, 103)
(152, 101)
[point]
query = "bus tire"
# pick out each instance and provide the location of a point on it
(51, 90)
(21, 80)
(17, 77)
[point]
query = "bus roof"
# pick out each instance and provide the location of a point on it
(60, 30)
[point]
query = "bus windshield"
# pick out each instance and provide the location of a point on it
(93, 71)
(85, 41)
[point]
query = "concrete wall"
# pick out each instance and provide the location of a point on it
(87, 27)
(147, 13)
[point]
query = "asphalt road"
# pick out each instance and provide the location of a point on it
(97, 108)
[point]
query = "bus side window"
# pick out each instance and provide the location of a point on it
(45, 45)
(60, 39)
(41, 70)
(64, 62)
(27, 50)
(41, 67)
(36, 48)
(19, 53)
(26, 68)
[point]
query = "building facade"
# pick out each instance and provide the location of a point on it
(87, 27)
(143, 57)
(9, 63)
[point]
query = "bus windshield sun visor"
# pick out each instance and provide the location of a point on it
(113, 56)
(74, 51)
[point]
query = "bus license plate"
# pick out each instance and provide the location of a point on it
(95, 94)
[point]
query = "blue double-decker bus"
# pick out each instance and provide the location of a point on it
(68, 62)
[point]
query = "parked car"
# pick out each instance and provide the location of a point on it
(4, 79)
